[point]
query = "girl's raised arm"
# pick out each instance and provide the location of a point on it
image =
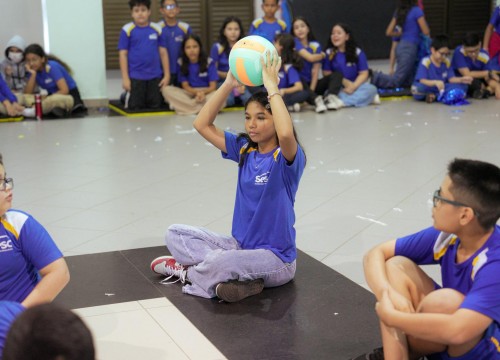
(204, 122)
(281, 117)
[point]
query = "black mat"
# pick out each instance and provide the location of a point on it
(320, 315)
(396, 92)
(117, 109)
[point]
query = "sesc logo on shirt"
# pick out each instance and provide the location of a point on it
(5, 244)
(153, 36)
(262, 179)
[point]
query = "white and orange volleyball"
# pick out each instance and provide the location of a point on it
(244, 59)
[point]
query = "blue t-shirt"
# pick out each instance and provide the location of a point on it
(9, 310)
(411, 29)
(495, 19)
(336, 61)
(220, 57)
(25, 248)
(142, 44)
(263, 216)
(197, 79)
(268, 30)
(312, 47)
(288, 75)
(477, 277)
(47, 78)
(460, 60)
(427, 70)
(171, 39)
(494, 63)
(5, 92)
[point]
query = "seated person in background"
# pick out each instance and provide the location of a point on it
(49, 332)
(197, 76)
(230, 32)
(343, 56)
(33, 269)
(268, 26)
(54, 76)
(290, 85)
(459, 320)
(434, 74)
(494, 75)
(13, 66)
(470, 60)
(143, 63)
(9, 103)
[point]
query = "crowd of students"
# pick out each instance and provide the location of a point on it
(329, 79)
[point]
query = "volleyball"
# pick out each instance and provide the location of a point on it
(244, 59)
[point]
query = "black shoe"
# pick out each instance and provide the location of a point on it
(234, 290)
(376, 354)
(59, 112)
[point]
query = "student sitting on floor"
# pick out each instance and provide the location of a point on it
(343, 56)
(290, 85)
(52, 75)
(143, 63)
(230, 32)
(460, 319)
(49, 332)
(435, 76)
(470, 60)
(270, 164)
(9, 310)
(9, 103)
(197, 76)
(13, 67)
(311, 53)
(494, 76)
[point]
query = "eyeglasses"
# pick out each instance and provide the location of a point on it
(5, 182)
(444, 54)
(170, 7)
(438, 198)
(472, 51)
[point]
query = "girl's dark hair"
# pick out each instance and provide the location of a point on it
(133, 3)
(288, 53)
(202, 60)
(1, 160)
(351, 54)
(38, 50)
(477, 184)
(261, 98)
(404, 6)
(310, 35)
(222, 38)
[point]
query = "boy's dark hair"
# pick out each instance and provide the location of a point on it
(222, 38)
(310, 35)
(48, 332)
(203, 59)
(277, 2)
(471, 39)
(162, 2)
(261, 98)
(477, 184)
(404, 7)
(38, 50)
(134, 3)
(1, 159)
(440, 41)
(288, 53)
(351, 46)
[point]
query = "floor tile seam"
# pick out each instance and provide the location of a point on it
(112, 312)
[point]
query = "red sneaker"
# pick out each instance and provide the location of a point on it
(167, 266)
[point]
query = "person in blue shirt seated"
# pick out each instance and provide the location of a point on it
(469, 59)
(53, 76)
(10, 104)
(258, 253)
(268, 26)
(435, 75)
(460, 318)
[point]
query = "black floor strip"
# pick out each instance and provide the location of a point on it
(320, 315)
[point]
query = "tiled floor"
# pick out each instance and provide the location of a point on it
(112, 183)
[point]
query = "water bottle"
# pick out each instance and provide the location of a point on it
(38, 106)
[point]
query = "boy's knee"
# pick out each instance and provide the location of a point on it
(442, 301)
(399, 263)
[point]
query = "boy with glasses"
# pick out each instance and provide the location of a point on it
(460, 319)
(470, 60)
(434, 74)
(173, 33)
